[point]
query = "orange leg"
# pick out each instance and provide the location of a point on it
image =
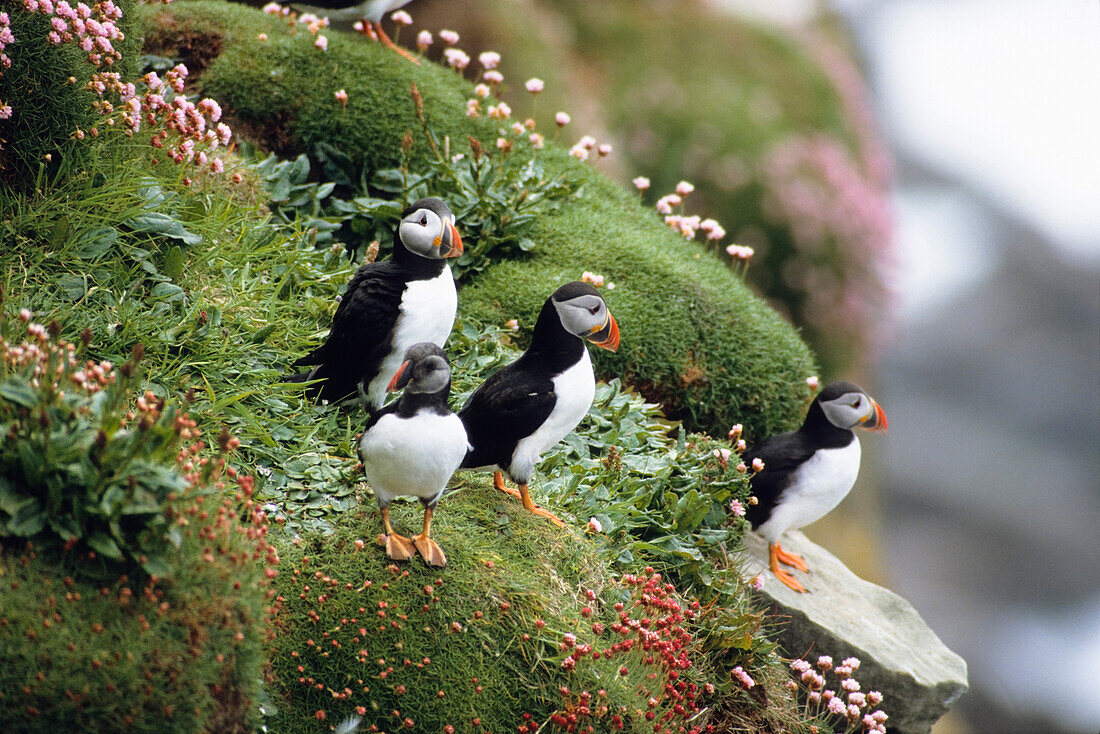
(398, 547)
(525, 496)
(498, 482)
(791, 559)
(385, 40)
(774, 559)
(427, 547)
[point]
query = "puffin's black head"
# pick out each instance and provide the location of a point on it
(425, 370)
(427, 229)
(847, 405)
(583, 312)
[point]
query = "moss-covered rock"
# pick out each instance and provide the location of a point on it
(86, 651)
(523, 628)
(694, 337)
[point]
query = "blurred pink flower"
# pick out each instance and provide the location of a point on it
(321, 43)
(341, 96)
(493, 77)
(449, 37)
(423, 40)
(562, 118)
(684, 188)
(641, 183)
(401, 18)
(489, 59)
(534, 85)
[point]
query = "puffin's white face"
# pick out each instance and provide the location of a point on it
(854, 409)
(587, 316)
(427, 234)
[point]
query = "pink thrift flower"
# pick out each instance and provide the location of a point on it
(684, 188)
(423, 40)
(534, 85)
(604, 150)
(757, 582)
(836, 706)
(851, 663)
(812, 383)
(493, 77)
(482, 91)
(262, 36)
(449, 37)
(500, 112)
(737, 508)
(489, 59)
(594, 525)
(341, 96)
(579, 152)
(665, 203)
(562, 119)
(735, 431)
(273, 9)
(537, 141)
(5, 111)
(401, 18)
(473, 108)
(757, 464)
(456, 58)
(593, 278)
(641, 183)
(321, 43)
(512, 324)
(217, 166)
(825, 662)
(587, 141)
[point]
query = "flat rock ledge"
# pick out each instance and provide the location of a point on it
(845, 616)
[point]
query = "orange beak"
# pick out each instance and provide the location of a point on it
(451, 240)
(876, 420)
(607, 336)
(399, 379)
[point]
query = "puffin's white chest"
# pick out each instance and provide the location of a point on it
(815, 489)
(427, 314)
(574, 390)
(412, 456)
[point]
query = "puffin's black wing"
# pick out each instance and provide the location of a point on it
(507, 407)
(361, 329)
(782, 455)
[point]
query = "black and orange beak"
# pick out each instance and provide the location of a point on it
(450, 241)
(875, 420)
(606, 336)
(400, 378)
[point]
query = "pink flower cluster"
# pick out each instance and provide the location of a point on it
(92, 28)
(848, 702)
(194, 129)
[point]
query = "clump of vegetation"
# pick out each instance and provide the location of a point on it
(136, 568)
(535, 633)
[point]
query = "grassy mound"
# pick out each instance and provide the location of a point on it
(521, 629)
(693, 335)
(109, 652)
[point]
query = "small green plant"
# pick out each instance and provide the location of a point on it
(86, 459)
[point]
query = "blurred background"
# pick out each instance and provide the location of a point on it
(920, 180)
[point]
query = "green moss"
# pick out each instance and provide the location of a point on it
(694, 337)
(450, 646)
(89, 653)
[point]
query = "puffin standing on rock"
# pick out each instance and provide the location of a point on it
(413, 446)
(532, 403)
(389, 306)
(808, 472)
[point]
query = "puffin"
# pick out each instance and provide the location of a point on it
(413, 446)
(388, 307)
(529, 405)
(808, 472)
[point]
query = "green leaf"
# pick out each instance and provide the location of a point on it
(174, 262)
(104, 545)
(95, 243)
(17, 391)
(169, 292)
(29, 521)
(156, 565)
(158, 223)
(73, 286)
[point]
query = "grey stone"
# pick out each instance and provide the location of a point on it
(845, 616)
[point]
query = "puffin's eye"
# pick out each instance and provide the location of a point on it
(594, 310)
(423, 220)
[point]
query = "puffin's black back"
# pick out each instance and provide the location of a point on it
(362, 328)
(783, 453)
(516, 400)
